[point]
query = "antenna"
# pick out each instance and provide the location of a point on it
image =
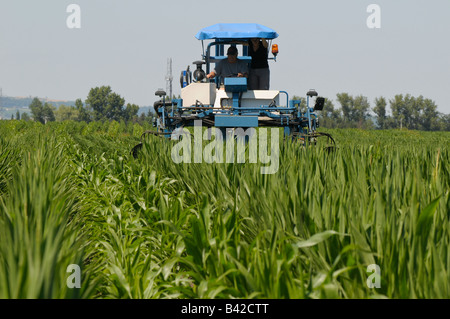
(169, 78)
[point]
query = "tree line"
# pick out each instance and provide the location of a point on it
(403, 111)
(101, 104)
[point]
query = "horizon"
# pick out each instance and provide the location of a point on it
(327, 46)
(335, 103)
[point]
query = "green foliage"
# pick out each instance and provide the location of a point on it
(42, 112)
(83, 112)
(66, 113)
(37, 110)
(131, 111)
(48, 113)
(101, 105)
(70, 193)
(380, 111)
(416, 113)
(38, 236)
(355, 109)
(106, 105)
(25, 116)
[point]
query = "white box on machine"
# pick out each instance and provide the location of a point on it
(252, 98)
(205, 93)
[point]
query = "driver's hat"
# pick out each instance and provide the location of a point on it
(232, 51)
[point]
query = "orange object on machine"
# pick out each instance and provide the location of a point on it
(275, 49)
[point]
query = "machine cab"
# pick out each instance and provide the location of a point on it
(197, 90)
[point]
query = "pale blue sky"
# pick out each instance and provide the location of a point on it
(324, 44)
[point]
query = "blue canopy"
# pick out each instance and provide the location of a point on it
(236, 31)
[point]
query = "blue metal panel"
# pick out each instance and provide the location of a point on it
(185, 77)
(295, 103)
(218, 58)
(178, 102)
(236, 121)
(218, 50)
(236, 31)
(235, 84)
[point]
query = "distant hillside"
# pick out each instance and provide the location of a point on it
(20, 102)
(10, 105)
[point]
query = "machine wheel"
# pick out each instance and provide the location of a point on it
(314, 138)
(136, 149)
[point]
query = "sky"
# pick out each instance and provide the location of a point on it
(324, 45)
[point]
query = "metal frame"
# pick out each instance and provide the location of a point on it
(296, 119)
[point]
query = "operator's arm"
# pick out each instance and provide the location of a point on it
(217, 71)
(242, 75)
(243, 69)
(211, 75)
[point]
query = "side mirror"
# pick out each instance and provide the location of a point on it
(320, 102)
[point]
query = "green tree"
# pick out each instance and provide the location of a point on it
(390, 123)
(430, 116)
(398, 108)
(346, 102)
(114, 107)
(355, 110)
(408, 110)
(83, 112)
(17, 115)
(48, 113)
(415, 113)
(131, 111)
(142, 118)
(330, 117)
(328, 109)
(444, 122)
(25, 117)
(97, 100)
(380, 111)
(64, 113)
(360, 111)
(106, 105)
(37, 110)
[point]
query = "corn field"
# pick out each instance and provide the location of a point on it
(71, 194)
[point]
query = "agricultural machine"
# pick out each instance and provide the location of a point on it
(227, 103)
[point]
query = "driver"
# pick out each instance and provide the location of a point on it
(230, 67)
